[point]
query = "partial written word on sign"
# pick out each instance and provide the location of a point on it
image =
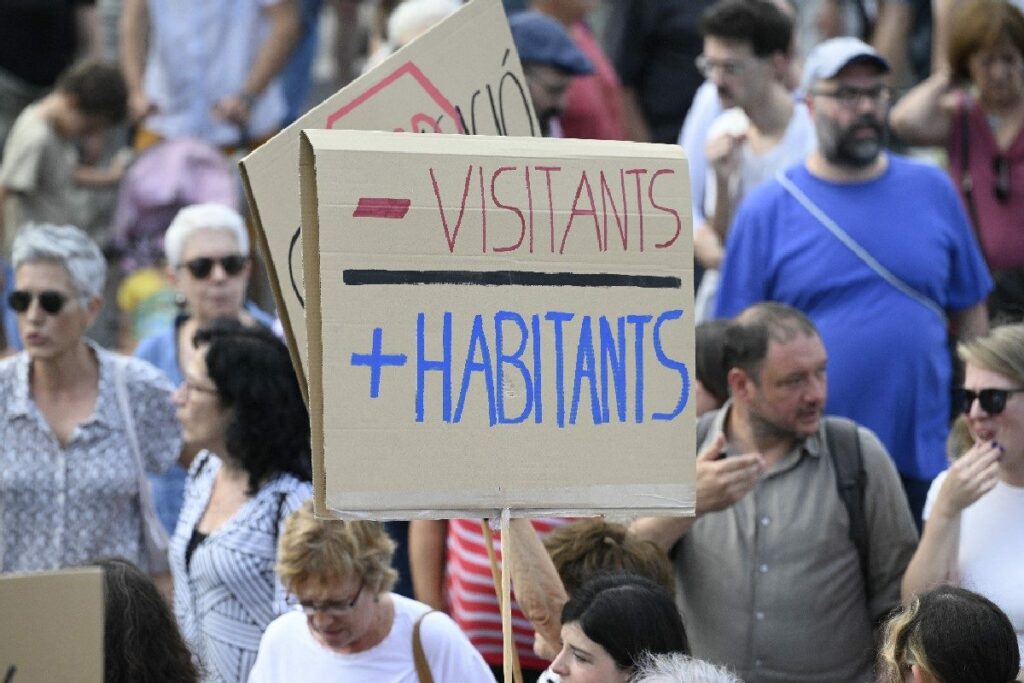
(498, 322)
(463, 76)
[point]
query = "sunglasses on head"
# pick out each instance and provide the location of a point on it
(49, 300)
(993, 401)
(202, 267)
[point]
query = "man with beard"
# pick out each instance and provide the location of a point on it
(877, 250)
(747, 56)
(550, 61)
(768, 571)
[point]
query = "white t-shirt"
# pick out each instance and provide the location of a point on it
(991, 556)
(289, 652)
(798, 140)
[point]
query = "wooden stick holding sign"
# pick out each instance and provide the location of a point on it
(511, 657)
(504, 598)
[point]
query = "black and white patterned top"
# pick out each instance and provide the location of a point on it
(61, 507)
(229, 593)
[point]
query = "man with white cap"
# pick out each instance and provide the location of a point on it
(876, 249)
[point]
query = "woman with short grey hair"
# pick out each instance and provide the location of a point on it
(77, 423)
(679, 668)
(207, 251)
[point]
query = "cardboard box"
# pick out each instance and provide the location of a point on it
(52, 627)
(462, 76)
(497, 323)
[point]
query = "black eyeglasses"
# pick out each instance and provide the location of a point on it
(50, 301)
(993, 401)
(1001, 186)
(849, 97)
(202, 267)
(333, 608)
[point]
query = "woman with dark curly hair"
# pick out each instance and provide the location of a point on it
(141, 641)
(240, 402)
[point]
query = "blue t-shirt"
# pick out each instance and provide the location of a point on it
(889, 363)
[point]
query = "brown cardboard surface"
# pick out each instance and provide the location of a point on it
(462, 76)
(518, 247)
(52, 627)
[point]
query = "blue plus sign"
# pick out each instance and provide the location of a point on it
(375, 360)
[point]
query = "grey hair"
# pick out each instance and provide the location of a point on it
(413, 17)
(209, 216)
(67, 246)
(674, 667)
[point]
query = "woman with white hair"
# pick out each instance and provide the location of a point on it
(207, 251)
(675, 667)
(76, 423)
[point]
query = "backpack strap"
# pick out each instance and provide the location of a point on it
(418, 655)
(851, 479)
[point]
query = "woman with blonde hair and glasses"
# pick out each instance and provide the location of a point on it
(348, 626)
(973, 535)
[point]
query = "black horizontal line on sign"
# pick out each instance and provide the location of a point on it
(507, 278)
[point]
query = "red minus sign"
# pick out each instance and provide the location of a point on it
(381, 207)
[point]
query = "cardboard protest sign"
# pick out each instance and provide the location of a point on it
(462, 76)
(52, 627)
(497, 323)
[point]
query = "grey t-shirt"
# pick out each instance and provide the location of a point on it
(37, 171)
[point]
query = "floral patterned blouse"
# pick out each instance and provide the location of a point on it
(66, 506)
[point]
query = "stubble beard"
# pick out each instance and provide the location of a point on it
(766, 431)
(842, 147)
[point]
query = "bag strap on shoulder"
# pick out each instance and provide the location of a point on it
(418, 655)
(855, 247)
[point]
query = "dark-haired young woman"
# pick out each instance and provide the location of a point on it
(240, 402)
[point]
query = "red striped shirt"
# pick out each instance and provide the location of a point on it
(472, 601)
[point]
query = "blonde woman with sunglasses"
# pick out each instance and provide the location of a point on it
(207, 251)
(973, 536)
(77, 423)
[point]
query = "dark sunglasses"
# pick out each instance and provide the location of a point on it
(993, 401)
(49, 300)
(1001, 171)
(202, 267)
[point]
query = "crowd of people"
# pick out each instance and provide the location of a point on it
(858, 380)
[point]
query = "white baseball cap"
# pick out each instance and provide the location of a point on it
(831, 56)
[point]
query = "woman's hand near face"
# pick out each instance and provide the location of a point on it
(969, 478)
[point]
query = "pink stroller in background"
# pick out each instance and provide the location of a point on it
(162, 180)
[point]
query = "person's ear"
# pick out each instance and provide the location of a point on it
(92, 309)
(780, 63)
(740, 383)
